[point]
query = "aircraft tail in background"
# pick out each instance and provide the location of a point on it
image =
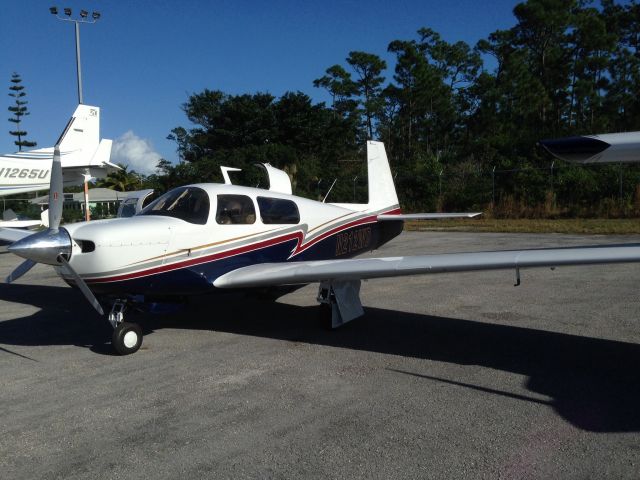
(81, 153)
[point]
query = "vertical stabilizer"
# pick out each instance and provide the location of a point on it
(382, 191)
(83, 130)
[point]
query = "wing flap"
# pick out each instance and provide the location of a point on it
(428, 216)
(294, 273)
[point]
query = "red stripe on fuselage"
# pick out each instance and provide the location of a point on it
(199, 260)
(301, 248)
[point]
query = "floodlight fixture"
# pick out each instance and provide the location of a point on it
(95, 15)
(54, 10)
(67, 12)
(84, 13)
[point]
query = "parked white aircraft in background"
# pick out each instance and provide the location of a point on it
(82, 153)
(210, 238)
(11, 220)
(604, 148)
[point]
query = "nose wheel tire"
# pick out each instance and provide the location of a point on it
(127, 338)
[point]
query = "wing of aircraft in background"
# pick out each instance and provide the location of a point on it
(11, 220)
(589, 149)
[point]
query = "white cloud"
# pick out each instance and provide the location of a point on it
(136, 152)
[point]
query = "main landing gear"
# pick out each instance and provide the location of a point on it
(339, 302)
(127, 337)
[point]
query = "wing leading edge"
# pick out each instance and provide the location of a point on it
(428, 216)
(273, 274)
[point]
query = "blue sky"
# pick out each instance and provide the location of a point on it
(143, 58)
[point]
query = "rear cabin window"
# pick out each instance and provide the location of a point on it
(190, 204)
(278, 210)
(235, 210)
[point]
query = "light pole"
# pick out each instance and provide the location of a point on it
(84, 18)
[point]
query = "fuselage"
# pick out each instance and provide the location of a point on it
(25, 172)
(186, 239)
(30, 171)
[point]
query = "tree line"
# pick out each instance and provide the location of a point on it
(444, 110)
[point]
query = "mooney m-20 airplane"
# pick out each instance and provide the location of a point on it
(82, 155)
(210, 238)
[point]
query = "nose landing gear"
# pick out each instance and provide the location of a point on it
(127, 337)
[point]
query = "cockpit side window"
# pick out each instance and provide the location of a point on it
(235, 210)
(278, 211)
(190, 204)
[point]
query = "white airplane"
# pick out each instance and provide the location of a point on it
(623, 147)
(210, 238)
(82, 154)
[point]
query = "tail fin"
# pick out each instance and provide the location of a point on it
(80, 143)
(82, 130)
(382, 191)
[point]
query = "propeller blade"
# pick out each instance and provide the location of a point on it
(20, 270)
(82, 285)
(56, 197)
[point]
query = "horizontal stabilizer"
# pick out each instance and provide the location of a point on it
(103, 154)
(428, 216)
(296, 273)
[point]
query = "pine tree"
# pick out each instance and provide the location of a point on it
(19, 110)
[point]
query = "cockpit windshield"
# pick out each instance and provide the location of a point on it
(190, 204)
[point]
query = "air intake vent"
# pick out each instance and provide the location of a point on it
(86, 245)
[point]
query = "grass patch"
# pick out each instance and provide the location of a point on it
(593, 226)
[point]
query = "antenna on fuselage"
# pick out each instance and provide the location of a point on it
(330, 188)
(225, 173)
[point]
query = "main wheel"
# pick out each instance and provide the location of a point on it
(127, 338)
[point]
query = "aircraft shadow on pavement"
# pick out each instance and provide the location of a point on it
(592, 383)
(65, 318)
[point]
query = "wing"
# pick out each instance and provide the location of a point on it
(20, 223)
(292, 273)
(428, 216)
(13, 234)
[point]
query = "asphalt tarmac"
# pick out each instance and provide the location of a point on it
(446, 376)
